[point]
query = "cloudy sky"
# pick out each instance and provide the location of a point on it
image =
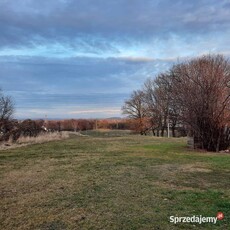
(82, 58)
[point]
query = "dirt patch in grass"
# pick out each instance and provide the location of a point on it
(194, 168)
(172, 169)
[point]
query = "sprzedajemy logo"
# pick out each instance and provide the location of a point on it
(196, 219)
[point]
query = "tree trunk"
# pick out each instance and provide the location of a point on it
(173, 131)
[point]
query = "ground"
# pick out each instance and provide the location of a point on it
(112, 182)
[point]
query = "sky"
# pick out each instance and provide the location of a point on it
(83, 58)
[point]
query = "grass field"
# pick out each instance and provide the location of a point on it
(119, 182)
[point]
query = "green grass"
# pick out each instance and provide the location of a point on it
(112, 182)
(106, 133)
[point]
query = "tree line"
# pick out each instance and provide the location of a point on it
(12, 129)
(193, 97)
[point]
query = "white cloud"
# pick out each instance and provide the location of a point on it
(104, 111)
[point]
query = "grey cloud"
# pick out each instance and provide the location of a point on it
(47, 83)
(29, 23)
(71, 74)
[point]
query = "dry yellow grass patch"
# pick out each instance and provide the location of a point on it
(41, 138)
(44, 137)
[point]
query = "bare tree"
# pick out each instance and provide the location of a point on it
(161, 106)
(136, 109)
(6, 107)
(74, 124)
(153, 109)
(6, 112)
(201, 87)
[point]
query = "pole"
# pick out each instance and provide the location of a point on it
(168, 128)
